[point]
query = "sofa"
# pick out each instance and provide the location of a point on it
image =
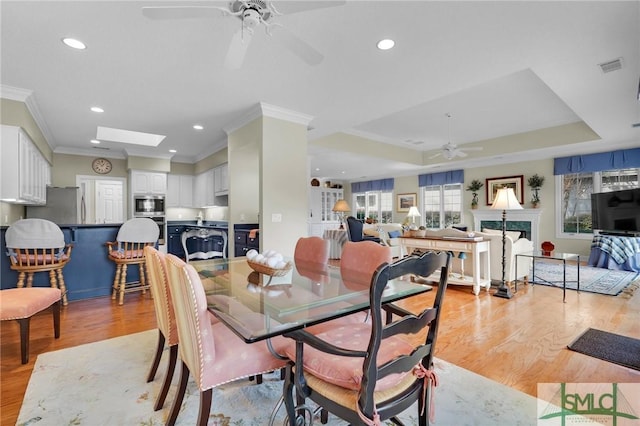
(388, 233)
(513, 245)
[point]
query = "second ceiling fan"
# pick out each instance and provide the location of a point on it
(252, 13)
(450, 150)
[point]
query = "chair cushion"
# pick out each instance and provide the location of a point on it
(127, 254)
(346, 372)
(17, 303)
(395, 234)
(41, 259)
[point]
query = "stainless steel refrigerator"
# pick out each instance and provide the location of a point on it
(63, 206)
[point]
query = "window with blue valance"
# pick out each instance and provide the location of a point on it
(372, 185)
(622, 159)
(442, 178)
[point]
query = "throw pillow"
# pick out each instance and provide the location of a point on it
(394, 234)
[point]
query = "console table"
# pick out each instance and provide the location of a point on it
(481, 273)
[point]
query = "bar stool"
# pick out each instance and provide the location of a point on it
(37, 245)
(128, 249)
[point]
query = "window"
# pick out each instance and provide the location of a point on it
(377, 205)
(442, 205)
(575, 191)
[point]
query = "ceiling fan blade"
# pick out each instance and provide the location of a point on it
(459, 154)
(183, 12)
(289, 7)
(436, 155)
(297, 46)
(238, 49)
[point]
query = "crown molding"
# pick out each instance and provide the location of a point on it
(27, 96)
(217, 146)
(133, 152)
(262, 109)
(90, 152)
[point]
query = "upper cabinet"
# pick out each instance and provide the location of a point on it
(180, 191)
(221, 179)
(25, 172)
(321, 202)
(143, 182)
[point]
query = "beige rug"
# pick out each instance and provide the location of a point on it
(104, 383)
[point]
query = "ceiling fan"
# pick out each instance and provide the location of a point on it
(450, 150)
(251, 13)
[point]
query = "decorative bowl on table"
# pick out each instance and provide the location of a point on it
(267, 270)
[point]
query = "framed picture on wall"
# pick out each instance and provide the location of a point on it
(406, 201)
(493, 184)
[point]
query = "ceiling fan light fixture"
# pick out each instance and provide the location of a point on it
(386, 44)
(74, 43)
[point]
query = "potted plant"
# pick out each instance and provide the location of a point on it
(535, 183)
(474, 186)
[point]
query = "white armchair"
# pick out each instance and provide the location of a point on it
(389, 234)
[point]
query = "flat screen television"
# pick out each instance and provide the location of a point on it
(616, 212)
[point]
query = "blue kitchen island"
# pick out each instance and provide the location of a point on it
(88, 274)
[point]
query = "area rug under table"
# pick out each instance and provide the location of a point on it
(104, 383)
(608, 346)
(594, 280)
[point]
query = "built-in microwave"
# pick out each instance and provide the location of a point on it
(148, 205)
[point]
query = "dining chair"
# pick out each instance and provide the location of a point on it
(371, 372)
(128, 249)
(21, 304)
(37, 245)
(212, 353)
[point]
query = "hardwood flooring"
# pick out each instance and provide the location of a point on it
(519, 342)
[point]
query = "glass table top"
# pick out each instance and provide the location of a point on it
(552, 255)
(257, 306)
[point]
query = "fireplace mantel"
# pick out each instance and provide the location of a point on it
(524, 215)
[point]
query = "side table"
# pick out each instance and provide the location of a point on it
(563, 257)
(337, 238)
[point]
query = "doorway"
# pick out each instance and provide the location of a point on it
(104, 199)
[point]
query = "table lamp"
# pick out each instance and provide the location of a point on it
(505, 200)
(413, 213)
(341, 207)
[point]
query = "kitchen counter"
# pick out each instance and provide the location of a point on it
(88, 274)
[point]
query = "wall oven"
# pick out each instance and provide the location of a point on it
(148, 205)
(159, 220)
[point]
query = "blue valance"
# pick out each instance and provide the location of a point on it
(442, 178)
(622, 159)
(372, 185)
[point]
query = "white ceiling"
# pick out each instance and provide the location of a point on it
(499, 68)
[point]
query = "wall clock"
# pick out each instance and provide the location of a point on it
(101, 165)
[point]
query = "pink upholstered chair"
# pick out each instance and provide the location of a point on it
(156, 265)
(360, 260)
(21, 304)
(312, 250)
(37, 245)
(210, 352)
(128, 249)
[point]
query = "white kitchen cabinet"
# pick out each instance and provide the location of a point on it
(221, 179)
(203, 194)
(180, 191)
(25, 172)
(321, 202)
(143, 182)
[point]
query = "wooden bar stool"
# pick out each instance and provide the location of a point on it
(37, 245)
(21, 304)
(128, 249)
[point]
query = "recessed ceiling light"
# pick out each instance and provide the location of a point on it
(198, 127)
(95, 141)
(173, 151)
(96, 109)
(317, 169)
(386, 44)
(72, 42)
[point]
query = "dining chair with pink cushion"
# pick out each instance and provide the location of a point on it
(37, 245)
(211, 353)
(371, 372)
(21, 304)
(312, 250)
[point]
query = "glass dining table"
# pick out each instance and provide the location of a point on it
(257, 306)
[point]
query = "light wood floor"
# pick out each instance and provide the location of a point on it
(518, 342)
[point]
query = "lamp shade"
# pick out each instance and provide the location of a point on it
(506, 200)
(341, 206)
(413, 212)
